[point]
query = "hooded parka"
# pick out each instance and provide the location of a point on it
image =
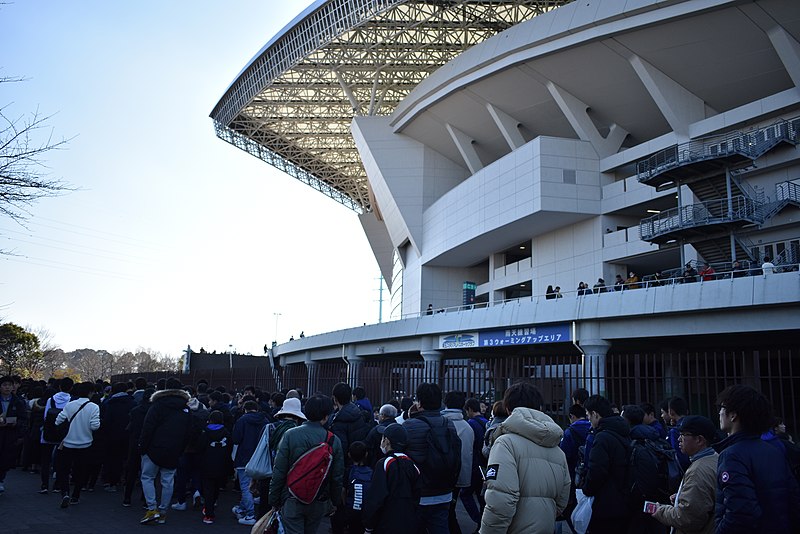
(527, 476)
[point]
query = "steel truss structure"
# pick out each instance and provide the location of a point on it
(293, 104)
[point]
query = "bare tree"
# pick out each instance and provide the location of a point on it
(53, 358)
(24, 140)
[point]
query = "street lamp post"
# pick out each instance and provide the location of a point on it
(277, 315)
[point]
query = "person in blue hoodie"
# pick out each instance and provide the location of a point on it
(756, 491)
(246, 434)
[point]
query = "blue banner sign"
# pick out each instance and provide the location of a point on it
(525, 335)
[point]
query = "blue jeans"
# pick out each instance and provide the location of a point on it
(246, 504)
(149, 473)
(433, 518)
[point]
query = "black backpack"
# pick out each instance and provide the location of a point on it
(51, 432)
(653, 471)
(443, 453)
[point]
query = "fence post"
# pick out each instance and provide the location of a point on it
(595, 351)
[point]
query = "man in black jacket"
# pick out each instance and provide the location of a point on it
(349, 426)
(165, 434)
(606, 478)
(436, 493)
(115, 415)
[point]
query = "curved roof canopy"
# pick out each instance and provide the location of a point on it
(292, 105)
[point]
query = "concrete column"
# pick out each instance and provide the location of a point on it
(354, 365)
(433, 366)
(594, 365)
(313, 370)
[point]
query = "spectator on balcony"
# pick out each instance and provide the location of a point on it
(619, 283)
(633, 281)
(429, 311)
(767, 267)
(707, 272)
(600, 286)
(689, 274)
(583, 289)
(550, 293)
(558, 294)
(737, 270)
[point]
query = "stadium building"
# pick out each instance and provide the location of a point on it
(495, 150)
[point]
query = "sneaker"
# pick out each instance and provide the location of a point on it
(238, 512)
(197, 500)
(65, 501)
(74, 501)
(149, 517)
(2, 487)
(257, 500)
(249, 520)
(110, 489)
(179, 506)
(44, 491)
(208, 519)
(126, 502)
(162, 517)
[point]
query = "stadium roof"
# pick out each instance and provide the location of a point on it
(292, 105)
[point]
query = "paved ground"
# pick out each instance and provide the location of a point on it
(24, 511)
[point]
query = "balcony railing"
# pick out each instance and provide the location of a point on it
(718, 211)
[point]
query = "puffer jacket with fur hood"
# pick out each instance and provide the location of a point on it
(167, 427)
(528, 481)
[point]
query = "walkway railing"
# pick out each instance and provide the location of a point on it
(710, 212)
(751, 145)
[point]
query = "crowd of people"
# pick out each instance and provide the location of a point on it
(688, 275)
(403, 467)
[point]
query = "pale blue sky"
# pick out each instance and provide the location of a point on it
(176, 237)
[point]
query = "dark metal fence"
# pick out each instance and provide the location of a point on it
(630, 377)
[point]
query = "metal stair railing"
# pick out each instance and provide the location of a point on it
(704, 213)
(788, 191)
(750, 144)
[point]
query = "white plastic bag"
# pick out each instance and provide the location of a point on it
(582, 514)
(260, 464)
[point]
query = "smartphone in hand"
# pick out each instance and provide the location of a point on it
(650, 507)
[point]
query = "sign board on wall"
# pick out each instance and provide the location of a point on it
(523, 335)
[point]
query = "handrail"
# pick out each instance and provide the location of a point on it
(788, 190)
(725, 272)
(708, 212)
(751, 144)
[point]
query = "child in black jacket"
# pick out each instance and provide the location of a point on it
(214, 448)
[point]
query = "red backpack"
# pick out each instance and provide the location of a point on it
(306, 476)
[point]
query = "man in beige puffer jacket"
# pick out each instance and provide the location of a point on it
(527, 476)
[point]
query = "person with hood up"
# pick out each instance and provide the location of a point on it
(607, 468)
(166, 431)
(246, 435)
(527, 476)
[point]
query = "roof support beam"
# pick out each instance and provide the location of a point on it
(508, 126)
(348, 93)
(575, 112)
(465, 146)
(788, 50)
(679, 106)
